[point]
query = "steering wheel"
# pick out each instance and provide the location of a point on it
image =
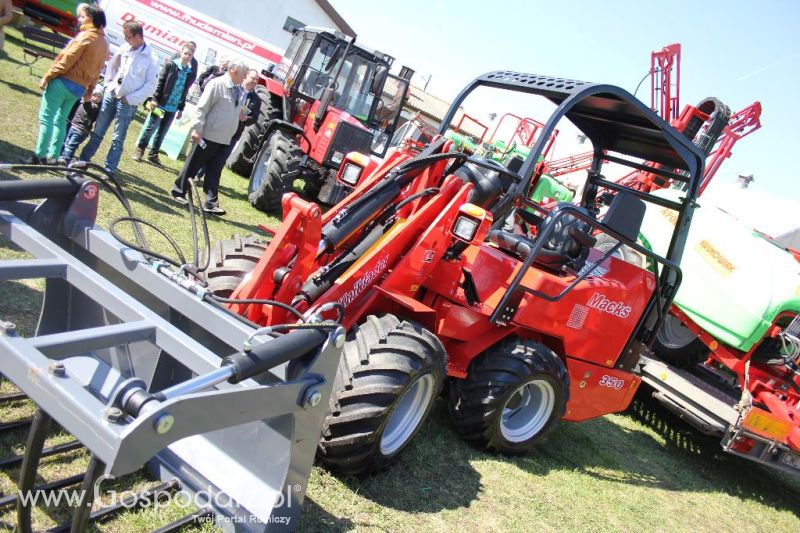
(491, 164)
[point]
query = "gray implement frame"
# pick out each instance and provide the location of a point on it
(109, 315)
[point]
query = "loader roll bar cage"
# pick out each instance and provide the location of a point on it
(615, 121)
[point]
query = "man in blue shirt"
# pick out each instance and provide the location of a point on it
(168, 101)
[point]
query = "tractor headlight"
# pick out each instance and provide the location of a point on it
(465, 228)
(337, 158)
(350, 173)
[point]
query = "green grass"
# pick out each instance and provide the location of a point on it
(635, 471)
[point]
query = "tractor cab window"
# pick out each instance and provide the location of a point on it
(388, 107)
(320, 69)
(293, 58)
(352, 87)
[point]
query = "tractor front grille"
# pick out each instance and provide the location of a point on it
(348, 138)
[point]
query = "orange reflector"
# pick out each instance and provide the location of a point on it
(713, 345)
(474, 210)
(764, 424)
(359, 158)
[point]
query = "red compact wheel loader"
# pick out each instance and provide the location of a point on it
(442, 276)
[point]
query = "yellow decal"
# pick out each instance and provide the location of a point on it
(670, 215)
(331, 125)
(767, 425)
(715, 258)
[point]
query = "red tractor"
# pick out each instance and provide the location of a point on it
(326, 97)
(526, 327)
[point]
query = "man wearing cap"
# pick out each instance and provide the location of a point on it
(131, 77)
(80, 125)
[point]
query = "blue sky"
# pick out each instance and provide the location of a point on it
(736, 51)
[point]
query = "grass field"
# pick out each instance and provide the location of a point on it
(639, 470)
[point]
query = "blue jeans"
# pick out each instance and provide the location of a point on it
(74, 139)
(159, 126)
(110, 109)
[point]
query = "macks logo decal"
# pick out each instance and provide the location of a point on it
(602, 303)
(362, 283)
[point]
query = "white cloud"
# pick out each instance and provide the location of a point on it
(774, 215)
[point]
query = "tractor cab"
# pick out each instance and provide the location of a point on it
(362, 90)
(333, 97)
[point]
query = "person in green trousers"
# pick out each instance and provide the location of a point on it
(72, 76)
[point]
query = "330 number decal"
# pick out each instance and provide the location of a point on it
(612, 382)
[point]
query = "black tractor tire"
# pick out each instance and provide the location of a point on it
(244, 153)
(676, 345)
(270, 179)
(515, 394)
(231, 260)
(389, 375)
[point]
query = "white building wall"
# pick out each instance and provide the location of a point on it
(264, 18)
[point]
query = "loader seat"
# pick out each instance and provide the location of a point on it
(625, 215)
(568, 244)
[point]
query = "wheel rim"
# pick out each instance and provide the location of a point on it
(673, 334)
(260, 170)
(407, 414)
(527, 410)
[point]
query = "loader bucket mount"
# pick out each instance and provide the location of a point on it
(142, 371)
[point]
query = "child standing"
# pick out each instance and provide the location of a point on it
(81, 124)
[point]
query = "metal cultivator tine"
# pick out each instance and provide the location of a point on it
(30, 464)
(80, 519)
(14, 460)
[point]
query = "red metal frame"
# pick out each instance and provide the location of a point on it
(526, 129)
(741, 124)
(664, 99)
(767, 384)
(569, 164)
(476, 121)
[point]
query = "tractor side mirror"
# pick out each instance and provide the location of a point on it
(378, 80)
